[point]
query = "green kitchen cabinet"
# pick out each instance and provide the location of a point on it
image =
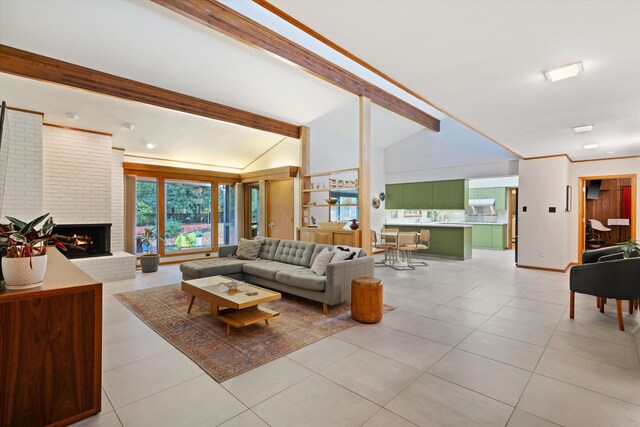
(500, 194)
(394, 196)
(458, 194)
(425, 195)
(411, 196)
(482, 236)
(440, 194)
(486, 193)
(498, 236)
(473, 193)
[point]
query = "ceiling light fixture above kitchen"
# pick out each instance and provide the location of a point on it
(72, 116)
(582, 128)
(590, 146)
(129, 126)
(564, 72)
(150, 146)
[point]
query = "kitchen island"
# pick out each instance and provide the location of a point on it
(450, 240)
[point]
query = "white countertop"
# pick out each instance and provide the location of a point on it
(431, 224)
(443, 224)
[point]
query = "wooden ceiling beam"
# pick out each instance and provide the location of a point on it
(26, 64)
(227, 21)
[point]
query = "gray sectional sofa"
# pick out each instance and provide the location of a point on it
(284, 265)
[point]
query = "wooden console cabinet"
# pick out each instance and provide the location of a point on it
(328, 236)
(51, 349)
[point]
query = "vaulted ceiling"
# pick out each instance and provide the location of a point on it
(482, 61)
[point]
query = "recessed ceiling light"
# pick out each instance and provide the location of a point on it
(129, 126)
(582, 128)
(590, 146)
(610, 152)
(564, 72)
(72, 116)
(150, 146)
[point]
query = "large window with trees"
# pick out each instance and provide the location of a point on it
(146, 212)
(187, 210)
(226, 214)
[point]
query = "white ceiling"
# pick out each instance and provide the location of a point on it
(145, 42)
(177, 136)
(482, 61)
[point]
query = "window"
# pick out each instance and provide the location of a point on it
(146, 212)
(345, 213)
(187, 215)
(253, 211)
(227, 214)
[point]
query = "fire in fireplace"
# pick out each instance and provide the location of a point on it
(94, 239)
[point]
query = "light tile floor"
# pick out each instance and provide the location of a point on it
(478, 342)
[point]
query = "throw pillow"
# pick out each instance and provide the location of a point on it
(319, 266)
(248, 249)
(340, 255)
(354, 251)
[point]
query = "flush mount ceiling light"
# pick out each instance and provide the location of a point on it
(582, 128)
(150, 146)
(590, 146)
(128, 126)
(72, 116)
(564, 72)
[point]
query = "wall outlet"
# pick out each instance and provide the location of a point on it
(541, 254)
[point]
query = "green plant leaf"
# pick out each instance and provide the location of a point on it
(16, 222)
(17, 237)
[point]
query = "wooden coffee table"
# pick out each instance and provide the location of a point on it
(235, 308)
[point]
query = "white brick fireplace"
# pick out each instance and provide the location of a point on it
(76, 176)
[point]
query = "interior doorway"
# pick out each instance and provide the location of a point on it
(606, 211)
(512, 218)
(280, 209)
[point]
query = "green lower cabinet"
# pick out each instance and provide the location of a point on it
(490, 236)
(451, 242)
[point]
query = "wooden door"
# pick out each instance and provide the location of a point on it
(280, 209)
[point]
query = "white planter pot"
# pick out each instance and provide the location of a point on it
(19, 275)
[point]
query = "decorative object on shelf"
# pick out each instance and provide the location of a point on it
(311, 185)
(331, 200)
(375, 203)
(324, 185)
(313, 221)
(354, 224)
(333, 183)
(348, 200)
(340, 183)
(382, 196)
(149, 262)
(24, 250)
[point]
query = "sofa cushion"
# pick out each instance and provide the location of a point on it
(213, 267)
(268, 249)
(317, 250)
(249, 249)
(303, 279)
(295, 252)
(268, 269)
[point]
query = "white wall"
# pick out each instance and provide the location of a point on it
(396, 175)
(504, 181)
(22, 147)
(543, 237)
(77, 176)
(598, 168)
(284, 153)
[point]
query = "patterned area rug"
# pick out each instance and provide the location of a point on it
(203, 338)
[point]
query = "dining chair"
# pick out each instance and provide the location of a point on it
(384, 246)
(407, 243)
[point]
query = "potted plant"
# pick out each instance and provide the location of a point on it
(24, 250)
(149, 261)
(630, 249)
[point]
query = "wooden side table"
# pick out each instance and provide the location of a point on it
(366, 299)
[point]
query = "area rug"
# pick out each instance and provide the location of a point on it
(203, 338)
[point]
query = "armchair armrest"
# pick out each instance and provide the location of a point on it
(227, 251)
(612, 279)
(340, 275)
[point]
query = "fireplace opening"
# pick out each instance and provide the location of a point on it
(95, 239)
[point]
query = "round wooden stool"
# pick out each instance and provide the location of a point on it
(366, 299)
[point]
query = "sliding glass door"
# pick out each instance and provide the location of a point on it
(227, 233)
